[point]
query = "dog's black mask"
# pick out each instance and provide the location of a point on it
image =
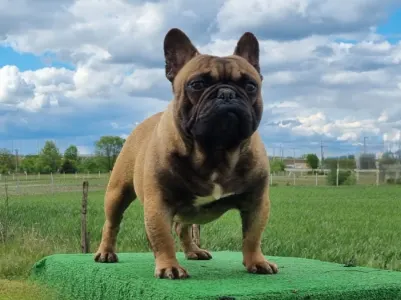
(223, 115)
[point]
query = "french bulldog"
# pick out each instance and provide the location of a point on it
(197, 159)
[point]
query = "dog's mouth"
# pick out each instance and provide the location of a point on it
(222, 119)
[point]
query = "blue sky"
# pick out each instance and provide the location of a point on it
(24, 61)
(29, 61)
(391, 27)
(73, 71)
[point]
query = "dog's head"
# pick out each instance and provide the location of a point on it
(218, 102)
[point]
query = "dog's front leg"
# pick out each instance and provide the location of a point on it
(254, 215)
(158, 222)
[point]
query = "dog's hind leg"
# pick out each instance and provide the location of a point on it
(117, 199)
(191, 250)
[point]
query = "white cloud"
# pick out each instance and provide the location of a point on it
(392, 136)
(299, 18)
(315, 83)
(13, 88)
(143, 80)
(383, 117)
(355, 78)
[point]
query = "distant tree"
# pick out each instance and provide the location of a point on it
(92, 164)
(276, 166)
(71, 153)
(398, 154)
(49, 158)
(68, 166)
(30, 163)
(345, 177)
(108, 148)
(312, 161)
(388, 155)
(387, 159)
(70, 160)
(7, 161)
(347, 162)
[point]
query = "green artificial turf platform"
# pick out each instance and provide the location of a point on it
(222, 277)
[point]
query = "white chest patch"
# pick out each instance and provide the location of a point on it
(217, 194)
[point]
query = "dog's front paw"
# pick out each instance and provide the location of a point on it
(259, 265)
(170, 271)
(106, 256)
(198, 254)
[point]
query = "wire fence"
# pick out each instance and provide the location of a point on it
(28, 184)
(34, 184)
(336, 177)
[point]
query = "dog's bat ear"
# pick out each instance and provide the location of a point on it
(248, 48)
(178, 50)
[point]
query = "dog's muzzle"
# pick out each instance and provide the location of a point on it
(224, 120)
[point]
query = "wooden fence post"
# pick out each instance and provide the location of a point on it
(84, 210)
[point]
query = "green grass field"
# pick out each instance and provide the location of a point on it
(354, 224)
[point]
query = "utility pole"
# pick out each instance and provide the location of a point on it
(338, 169)
(397, 153)
(281, 151)
(293, 157)
(364, 144)
(384, 146)
(321, 154)
(16, 160)
(399, 146)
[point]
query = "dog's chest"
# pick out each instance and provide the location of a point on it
(217, 193)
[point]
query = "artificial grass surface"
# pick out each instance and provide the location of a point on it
(223, 277)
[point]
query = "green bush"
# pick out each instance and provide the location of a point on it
(351, 179)
(317, 171)
(313, 160)
(393, 181)
(344, 177)
(390, 180)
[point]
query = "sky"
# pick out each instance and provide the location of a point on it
(72, 71)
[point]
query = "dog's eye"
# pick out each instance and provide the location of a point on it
(197, 85)
(250, 87)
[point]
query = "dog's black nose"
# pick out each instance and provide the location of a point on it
(226, 94)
